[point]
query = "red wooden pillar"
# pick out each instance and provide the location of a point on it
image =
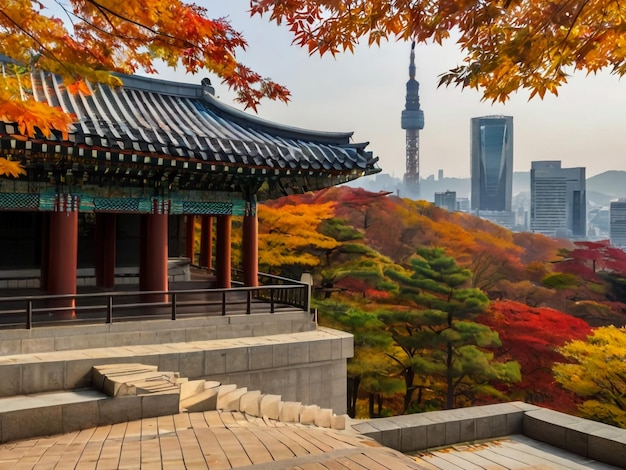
(45, 251)
(206, 242)
(222, 252)
(153, 265)
(104, 256)
(143, 236)
(250, 250)
(63, 252)
(190, 238)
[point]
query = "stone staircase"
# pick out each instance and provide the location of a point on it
(48, 385)
(178, 394)
(125, 392)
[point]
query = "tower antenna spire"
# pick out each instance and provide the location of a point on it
(412, 121)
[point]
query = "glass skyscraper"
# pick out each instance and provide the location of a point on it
(492, 163)
(617, 223)
(558, 200)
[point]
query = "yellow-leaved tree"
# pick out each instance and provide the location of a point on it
(508, 44)
(288, 236)
(86, 40)
(598, 374)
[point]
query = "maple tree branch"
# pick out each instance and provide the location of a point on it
(103, 9)
(71, 15)
(35, 40)
(561, 45)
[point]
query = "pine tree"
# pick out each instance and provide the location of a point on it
(439, 341)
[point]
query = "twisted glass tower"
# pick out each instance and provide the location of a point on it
(492, 163)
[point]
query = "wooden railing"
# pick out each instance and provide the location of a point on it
(109, 307)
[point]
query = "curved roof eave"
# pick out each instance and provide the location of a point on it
(240, 117)
(165, 124)
(282, 130)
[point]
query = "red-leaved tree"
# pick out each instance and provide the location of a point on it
(531, 337)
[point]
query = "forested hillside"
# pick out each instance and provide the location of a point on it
(447, 310)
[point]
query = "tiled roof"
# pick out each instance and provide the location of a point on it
(184, 126)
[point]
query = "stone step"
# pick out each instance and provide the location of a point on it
(308, 414)
(137, 384)
(191, 388)
(100, 372)
(201, 395)
(133, 379)
(290, 412)
(249, 403)
(269, 406)
(206, 400)
(228, 400)
(155, 385)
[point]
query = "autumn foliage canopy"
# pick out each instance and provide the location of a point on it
(370, 253)
(85, 40)
(508, 44)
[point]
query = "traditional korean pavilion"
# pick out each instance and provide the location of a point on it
(141, 162)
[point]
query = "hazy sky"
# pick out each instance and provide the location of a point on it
(364, 92)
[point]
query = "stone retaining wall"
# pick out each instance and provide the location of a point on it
(418, 432)
(66, 338)
(309, 367)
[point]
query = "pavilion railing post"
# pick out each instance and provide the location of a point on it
(29, 314)
(223, 303)
(248, 302)
(307, 296)
(271, 300)
(110, 309)
(173, 306)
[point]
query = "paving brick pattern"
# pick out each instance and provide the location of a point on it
(211, 439)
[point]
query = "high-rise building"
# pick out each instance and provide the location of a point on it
(446, 200)
(463, 204)
(412, 121)
(491, 163)
(558, 200)
(617, 223)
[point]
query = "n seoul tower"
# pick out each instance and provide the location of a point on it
(412, 122)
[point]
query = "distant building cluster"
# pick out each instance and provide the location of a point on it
(556, 207)
(558, 203)
(558, 196)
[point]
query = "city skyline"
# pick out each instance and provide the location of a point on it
(364, 92)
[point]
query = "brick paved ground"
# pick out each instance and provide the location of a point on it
(212, 439)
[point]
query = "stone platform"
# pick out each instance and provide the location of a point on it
(286, 355)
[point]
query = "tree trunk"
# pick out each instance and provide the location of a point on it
(409, 377)
(353, 392)
(449, 380)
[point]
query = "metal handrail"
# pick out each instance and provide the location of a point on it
(107, 307)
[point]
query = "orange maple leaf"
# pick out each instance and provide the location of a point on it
(11, 168)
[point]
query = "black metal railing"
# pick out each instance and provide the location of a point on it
(109, 307)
